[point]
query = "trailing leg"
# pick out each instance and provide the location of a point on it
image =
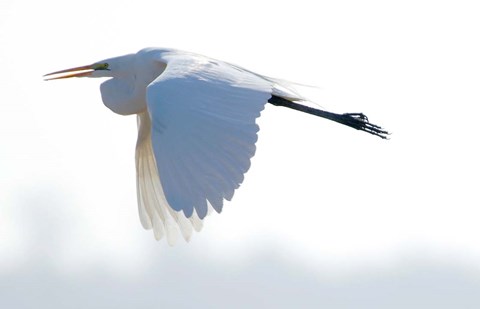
(354, 120)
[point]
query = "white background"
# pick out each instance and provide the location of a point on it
(327, 216)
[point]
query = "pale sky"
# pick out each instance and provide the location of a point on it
(322, 204)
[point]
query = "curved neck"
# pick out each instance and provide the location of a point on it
(122, 96)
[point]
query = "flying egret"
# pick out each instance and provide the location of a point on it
(196, 128)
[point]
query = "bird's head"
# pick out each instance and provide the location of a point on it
(113, 67)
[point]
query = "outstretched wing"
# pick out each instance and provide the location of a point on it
(203, 131)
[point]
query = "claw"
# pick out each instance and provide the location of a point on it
(358, 115)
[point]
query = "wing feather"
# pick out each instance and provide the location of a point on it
(195, 141)
(153, 208)
(203, 130)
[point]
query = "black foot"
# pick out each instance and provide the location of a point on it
(362, 116)
(360, 122)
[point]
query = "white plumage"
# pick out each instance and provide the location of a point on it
(203, 134)
(196, 129)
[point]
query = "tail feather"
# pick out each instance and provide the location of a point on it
(354, 120)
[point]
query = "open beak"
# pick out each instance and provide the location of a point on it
(82, 71)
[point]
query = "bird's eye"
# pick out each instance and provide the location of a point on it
(101, 66)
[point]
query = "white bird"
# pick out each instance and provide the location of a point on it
(196, 128)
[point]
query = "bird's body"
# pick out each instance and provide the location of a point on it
(196, 129)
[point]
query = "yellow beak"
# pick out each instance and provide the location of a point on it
(82, 71)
